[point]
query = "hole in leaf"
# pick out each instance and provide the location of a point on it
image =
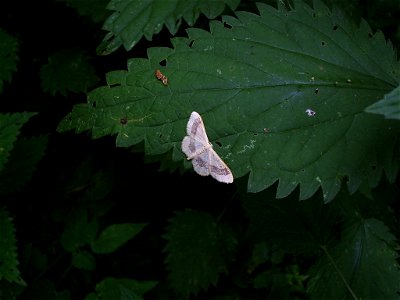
(218, 143)
(191, 43)
(226, 25)
(123, 120)
(314, 15)
(323, 43)
(335, 27)
(316, 91)
(163, 63)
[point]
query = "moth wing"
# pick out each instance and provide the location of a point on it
(218, 169)
(191, 147)
(195, 129)
(201, 163)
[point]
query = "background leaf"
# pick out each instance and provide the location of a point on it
(8, 250)
(84, 260)
(199, 249)
(366, 260)
(134, 18)
(68, 70)
(300, 227)
(79, 230)
(8, 57)
(94, 8)
(22, 163)
(114, 236)
(261, 75)
(116, 289)
(389, 106)
(10, 125)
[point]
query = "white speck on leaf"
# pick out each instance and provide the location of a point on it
(310, 112)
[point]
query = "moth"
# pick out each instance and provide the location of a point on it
(198, 148)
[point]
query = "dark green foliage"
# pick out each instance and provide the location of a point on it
(8, 57)
(22, 163)
(96, 9)
(360, 261)
(115, 289)
(199, 249)
(362, 265)
(300, 99)
(68, 70)
(8, 250)
(115, 236)
(10, 125)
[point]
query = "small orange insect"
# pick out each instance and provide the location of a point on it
(162, 77)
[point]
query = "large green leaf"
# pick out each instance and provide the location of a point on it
(362, 266)
(134, 18)
(8, 57)
(253, 79)
(10, 125)
(199, 249)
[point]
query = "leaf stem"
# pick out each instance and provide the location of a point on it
(339, 272)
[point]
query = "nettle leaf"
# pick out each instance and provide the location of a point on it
(199, 248)
(362, 266)
(22, 163)
(114, 236)
(123, 288)
(8, 250)
(10, 125)
(68, 70)
(8, 57)
(389, 106)
(282, 93)
(134, 18)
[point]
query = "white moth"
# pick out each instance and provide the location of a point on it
(198, 148)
